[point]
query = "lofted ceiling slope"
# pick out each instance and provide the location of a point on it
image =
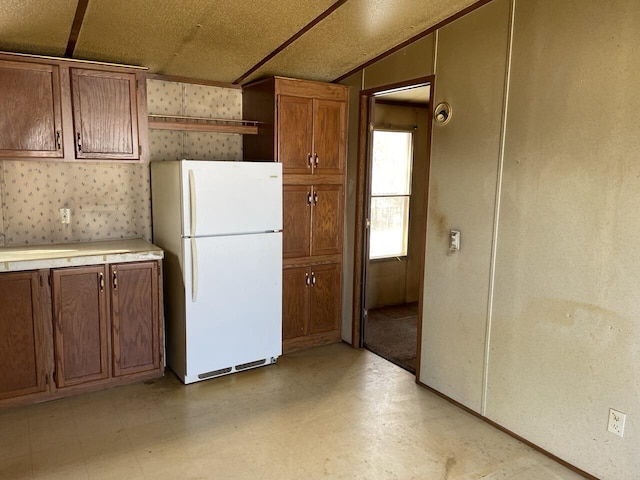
(222, 40)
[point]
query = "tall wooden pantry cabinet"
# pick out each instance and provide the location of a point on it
(303, 126)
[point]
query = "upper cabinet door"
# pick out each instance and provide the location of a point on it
(328, 136)
(105, 115)
(30, 115)
(295, 132)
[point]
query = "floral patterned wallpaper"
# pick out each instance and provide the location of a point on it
(107, 202)
(111, 200)
(172, 98)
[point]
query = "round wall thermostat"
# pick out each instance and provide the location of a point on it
(442, 113)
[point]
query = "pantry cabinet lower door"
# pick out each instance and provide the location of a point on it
(80, 325)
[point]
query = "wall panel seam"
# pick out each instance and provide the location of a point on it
(496, 215)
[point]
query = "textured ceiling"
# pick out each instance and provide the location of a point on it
(222, 39)
(36, 26)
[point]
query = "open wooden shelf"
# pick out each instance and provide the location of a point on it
(203, 124)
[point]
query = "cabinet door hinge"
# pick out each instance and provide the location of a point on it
(139, 150)
(41, 282)
(365, 312)
(49, 278)
(46, 379)
(55, 376)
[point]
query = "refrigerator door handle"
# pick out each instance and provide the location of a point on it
(192, 201)
(194, 271)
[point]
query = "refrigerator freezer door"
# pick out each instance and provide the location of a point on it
(237, 315)
(224, 198)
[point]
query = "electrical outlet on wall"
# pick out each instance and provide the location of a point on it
(616, 422)
(65, 216)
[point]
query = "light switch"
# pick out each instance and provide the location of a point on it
(454, 240)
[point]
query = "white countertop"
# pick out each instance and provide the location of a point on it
(31, 257)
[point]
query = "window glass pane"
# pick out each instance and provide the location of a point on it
(391, 171)
(389, 221)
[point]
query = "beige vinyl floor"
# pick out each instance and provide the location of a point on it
(330, 412)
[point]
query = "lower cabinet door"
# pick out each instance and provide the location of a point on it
(325, 298)
(22, 346)
(134, 317)
(80, 325)
(295, 301)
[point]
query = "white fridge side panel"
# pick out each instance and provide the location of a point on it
(237, 315)
(224, 198)
(166, 208)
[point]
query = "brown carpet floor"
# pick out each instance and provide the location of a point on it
(391, 332)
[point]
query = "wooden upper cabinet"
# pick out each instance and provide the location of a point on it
(325, 298)
(134, 317)
(295, 133)
(30, 113)
(22, 347)
(80, 325)
(326, 222)
(105, 117)
(328, 136)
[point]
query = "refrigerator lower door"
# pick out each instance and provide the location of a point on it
(233, 300)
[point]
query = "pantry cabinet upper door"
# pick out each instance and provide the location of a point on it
(295, 131)
(30, 118)
(329, 134)
(104, 114)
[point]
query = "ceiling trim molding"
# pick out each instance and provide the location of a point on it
(420, 35)
(193, 81)
(296, 36)
(81, 9)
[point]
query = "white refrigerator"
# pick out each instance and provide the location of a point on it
(220, 225)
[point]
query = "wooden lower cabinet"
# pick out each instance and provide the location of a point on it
(22, 343)
(134, 317)
(311, 306)
(80, 325)
(94, 327)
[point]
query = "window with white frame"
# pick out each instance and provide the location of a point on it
(390, 193)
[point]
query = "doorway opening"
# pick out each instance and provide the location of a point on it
(393, 196)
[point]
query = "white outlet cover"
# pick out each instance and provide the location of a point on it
(616, 422)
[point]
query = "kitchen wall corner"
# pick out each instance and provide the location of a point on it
(185, 99)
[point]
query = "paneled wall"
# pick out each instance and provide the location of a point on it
(534, 323)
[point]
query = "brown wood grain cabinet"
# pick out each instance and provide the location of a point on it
(312, 220)
(80, 325)
(23, 346)
(71, 110)
(30, 112)
(76, 329)
(105, 116)
(311, 304)
(303, 126)
(134, 317)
